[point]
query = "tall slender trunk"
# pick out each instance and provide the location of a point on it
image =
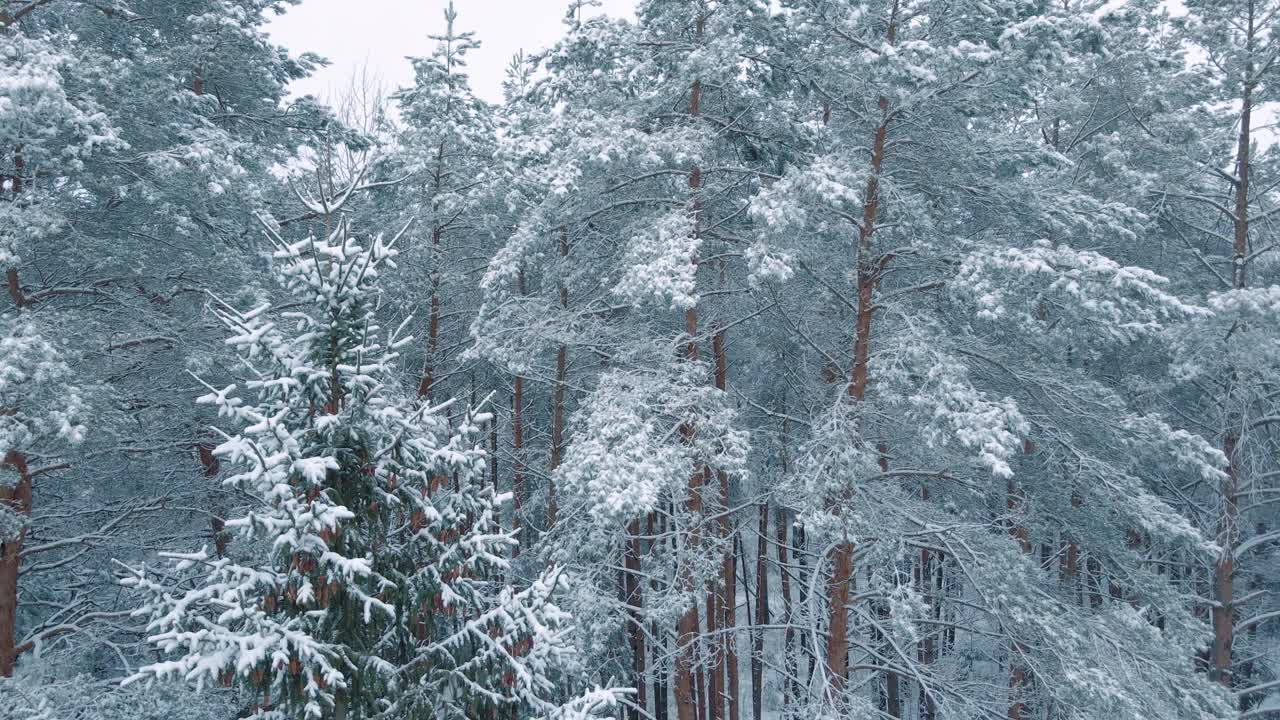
(727, 600)
(1223, 611)
(1228, 530)
(16, 184)
(1019, 678)
(17, 499)
(802, 587)
(632, 584)
(687, 627)
(437, 259)
(699, 677)
(790, 663)
(557, 395)
(730, 647)
(790, 687)
(928, 652)
(517, 460)
(217, 523)
(493, 451)
(837, 660)
(1069, 567)
(892, 700)
(433, 322)
(715, 660)
(762, 613)
(659, 642)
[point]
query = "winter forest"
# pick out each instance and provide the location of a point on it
(751, 360)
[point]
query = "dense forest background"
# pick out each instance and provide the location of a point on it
(804, 359)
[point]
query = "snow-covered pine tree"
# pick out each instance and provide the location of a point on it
(972, 297)
(368, 579)
(135, 138)
(446, 146)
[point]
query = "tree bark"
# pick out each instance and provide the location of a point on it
(632, 584)
(726, 601)
(762, 613)
(517, 461)
(715, 660)
(659, 641)
(557, 396)
(17, 500)
(837, 660)
(1018, 675)
(687, 627)
(928, 652)
(433, 322)
(1228, 531)
(1223, 611)
(217, 523)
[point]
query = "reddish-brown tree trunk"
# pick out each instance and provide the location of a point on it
(217, 523)
(17, 499)
(837, 660)
(687, 706)
(1223, 611)
(688, 626)
(726, 601)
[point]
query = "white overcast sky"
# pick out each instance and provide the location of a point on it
(380, 34)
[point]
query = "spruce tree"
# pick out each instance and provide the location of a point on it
(368, 581)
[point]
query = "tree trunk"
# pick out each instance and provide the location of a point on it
(1228, 530)
(729, 642)
(762, 613)
(1223, 611)
(790, 687)
(217, 523)
(699, 677)
(517, 461)
(493, 451)
(892, 695)
(727, 655)
(1018, 676)
(18, 501)
(802, 590)
(715, 660)
(687, 627)
(928, 652)
(837, 660)
(433, 322)
(631, 583)
(557, 396)
(659, 643)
